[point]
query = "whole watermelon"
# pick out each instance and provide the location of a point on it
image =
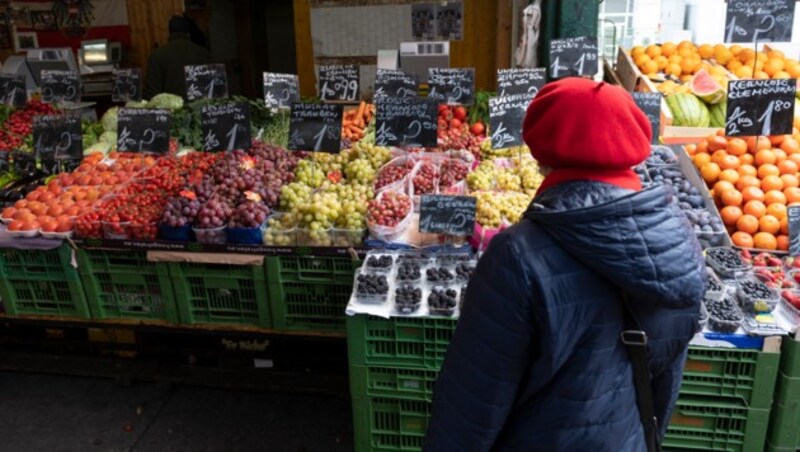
(717, 113)
(688, 110)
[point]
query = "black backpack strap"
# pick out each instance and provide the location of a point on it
(635, 340)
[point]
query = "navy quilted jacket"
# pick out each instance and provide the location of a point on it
(536, 362)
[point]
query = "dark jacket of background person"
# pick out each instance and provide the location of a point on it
(165, 69)
(536, 362)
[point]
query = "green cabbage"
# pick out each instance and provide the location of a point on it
(134, 104)
(98, 147)
(109, 137)
(166, 100)
(109, 119)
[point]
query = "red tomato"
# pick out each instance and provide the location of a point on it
(460, 113)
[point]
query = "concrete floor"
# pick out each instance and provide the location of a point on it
(66, 414)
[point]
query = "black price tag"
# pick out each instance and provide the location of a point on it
(650, 104)
(5, 165)
(339, 82)
(226, 127)
(70, 165)
(449, 215)
(404, 121)
(57, 137)
(24, 163)
(13, 91)
(793, 214)
(390, 83)
(520, 81)
(505, 119)
(570, 57)
(143, 130)
(61, 86)
(126, 85)
(316, 127)
(49, 166)
(760, 107)
(759, 20)
(207, 81)
(280, 90)
(452, 85)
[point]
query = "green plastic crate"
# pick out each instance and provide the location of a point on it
(392, 382)
(405, 342)
(707, 424)
(310, 293)
(385, 424)
(220, 294)
(784, 428)
(790, 357)
(748, 375)
(41, 283)
(124, 285)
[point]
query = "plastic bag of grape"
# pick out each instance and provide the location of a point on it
(393, 176)
(389, 215)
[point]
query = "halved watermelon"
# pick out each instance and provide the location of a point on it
(706, 88)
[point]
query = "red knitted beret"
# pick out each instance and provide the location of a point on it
(587, 130)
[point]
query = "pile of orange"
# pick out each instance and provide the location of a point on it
(742, 61)
(678, 60)
(752, 181)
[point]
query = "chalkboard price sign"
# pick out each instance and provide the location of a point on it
(280, 90)
(126, 85)
(505, 119)
(5, 166)
(449, 215)
(793, 213)
(57, 137)
(404, 121)
(206, 81)
(225, 127)
(61, 86)
(339, 82)
(13, 91)
(520, 81)
(24, 163)
(570, 57)
(650, 104)
(452, 85)
(390, 83)
(315, 127)
(143, 130)
(759, 20)
(760, 107)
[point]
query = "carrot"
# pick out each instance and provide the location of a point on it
(353, 129)
(361, 107)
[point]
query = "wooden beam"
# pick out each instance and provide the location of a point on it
(503, 30)
(304, 48)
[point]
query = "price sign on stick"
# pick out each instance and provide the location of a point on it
(404, 121)
(5, 166)
(280, 90)
(650, 104)
(520, 81)
(24, 163)
(143, 130)
(450, 215)
(13, 91)
(793, 213)
(570, 57)
(390, 83)
(452, 85)
(339, 82)
(759, 20)
(316, 127)
(225, 127)
(207, 81)
(57, 137)
(61, 86)
(506, 114)
(126, 85)
(760, 107)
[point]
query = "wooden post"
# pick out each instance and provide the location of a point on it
(504, 19)
(304, 48)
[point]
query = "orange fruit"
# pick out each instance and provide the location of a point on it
(718, 156)
(777, 54)
(792, 194)
(723, 56)
(770, 224)
(782, 75)
(774, 65)
(649, 67)
(736, 146)
(755, 208)
(653, 51)
(701, 158)
(782, 241)
(790, 180)
(690, 148)
(710, 172)
(780, 155)
(785, 225)
(722, 186)
(637, 50)
(748, 224)
(787, 167)
(765, 241)
(752, 193)
(742, 239)
(776, 140)
(747, 170)
(764, 157)
(774, 196)
(735, 49)
(790, 145)
(730, 215)
(777, 210)
(716, 143)
(706, 51)
(729, 175)
(746, 159)
(745, 181)
(771, 182)
(761, 75)
(768, 169)
(661, 61)
(754, 146)
(668, 49)
(731, 198)
(729, 162)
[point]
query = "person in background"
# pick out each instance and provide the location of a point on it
(537, 362)
(165, 69)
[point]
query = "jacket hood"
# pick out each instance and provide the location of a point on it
(640, 241)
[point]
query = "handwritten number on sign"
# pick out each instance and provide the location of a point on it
(764, 30)
(319, 136)
(232, 136)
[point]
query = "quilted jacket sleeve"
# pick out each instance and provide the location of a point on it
(488, 356)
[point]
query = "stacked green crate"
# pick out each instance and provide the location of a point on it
(724, 401)
(784, 428)
(393, 366)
